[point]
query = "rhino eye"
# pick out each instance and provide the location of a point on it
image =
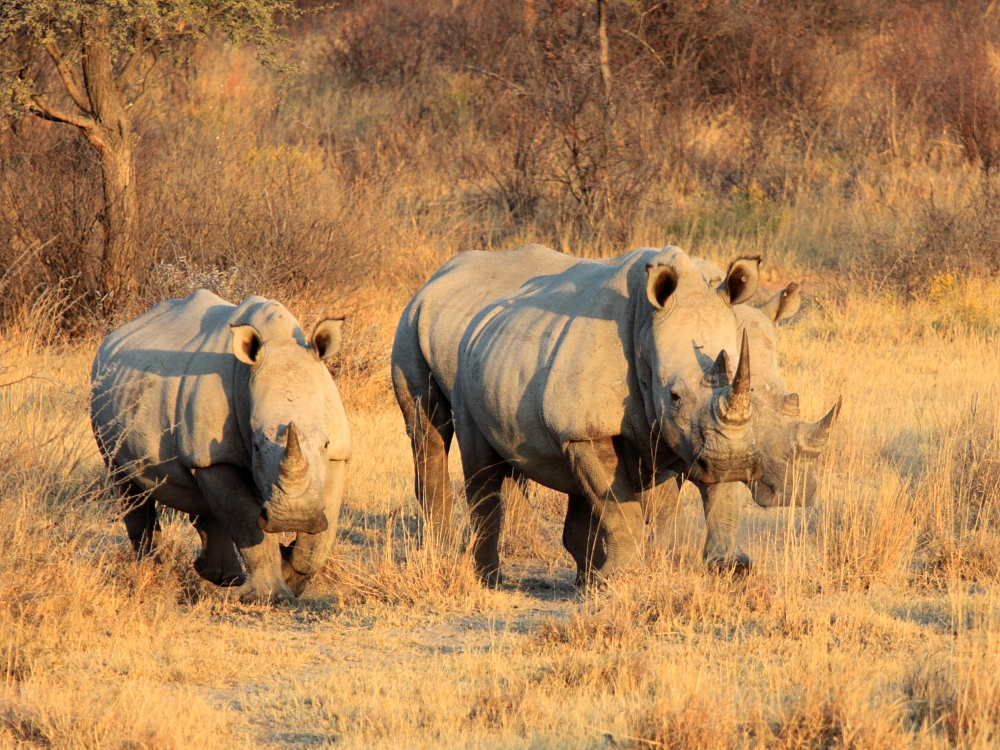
(675, 399)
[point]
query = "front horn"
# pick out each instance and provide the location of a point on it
(813, 438)
(734, 404)
(293, 467)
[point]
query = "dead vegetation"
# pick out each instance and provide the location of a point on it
(850, 143)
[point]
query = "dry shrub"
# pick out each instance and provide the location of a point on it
(624, 673)
(871, 538)
(961, 535)
(814, 721)
(668, 599)
(118, 717)
(431, 127)
(503, 704)
(942, 60)
(933, 242)
(399, 573)
(957, 697)
(686, 719)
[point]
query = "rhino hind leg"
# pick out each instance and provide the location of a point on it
(485, 472)
(218, 562)
(429, 424)
(582, 538)
(722, 517)
(141, 520)
(431, 442)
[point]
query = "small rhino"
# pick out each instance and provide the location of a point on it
(227, 413)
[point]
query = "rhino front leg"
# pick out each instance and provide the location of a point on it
(229, 495)
(722, 517)
(614, 528)
(302, 559)
(661, 505)
(218, 562)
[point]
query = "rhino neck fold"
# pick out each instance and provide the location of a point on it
(240, 394)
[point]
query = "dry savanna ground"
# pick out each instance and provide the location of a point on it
(870, 621)
(853, 144)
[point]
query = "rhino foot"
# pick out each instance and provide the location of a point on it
(491, 579)
(250, 593)
(296, 581)
(218, 575)
(738, 564)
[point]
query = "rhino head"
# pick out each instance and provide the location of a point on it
(787, 445)
(289, 456)
(703, 416)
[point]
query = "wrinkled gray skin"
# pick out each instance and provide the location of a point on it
(227, 413)
(787, 444)
(596, 379)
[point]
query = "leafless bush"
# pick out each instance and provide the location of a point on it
(938, 59)
(932, 242)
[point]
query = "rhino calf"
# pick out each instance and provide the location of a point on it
(227, 413)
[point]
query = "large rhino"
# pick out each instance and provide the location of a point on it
(787, 444)
(594, 378)
(227, 413)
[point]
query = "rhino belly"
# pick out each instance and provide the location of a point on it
(549, 471)
(523, 442)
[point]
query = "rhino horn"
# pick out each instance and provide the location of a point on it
(293, 466)
(813, 438)
(718, 375)
(734, 405)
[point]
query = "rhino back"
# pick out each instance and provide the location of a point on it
(167, 387)
(553, 360)
(435, 320)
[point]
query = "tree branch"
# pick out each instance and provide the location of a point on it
(139, 50)
(68, 77)
(143, 88)
(43, 110)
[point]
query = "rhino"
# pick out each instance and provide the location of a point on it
(787, 445)
(227, 413)
(594, 378)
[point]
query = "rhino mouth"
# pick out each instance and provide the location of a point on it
(309, 524)
(704, 471)
(800, 492)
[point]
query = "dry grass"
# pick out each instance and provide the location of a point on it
(871, 620)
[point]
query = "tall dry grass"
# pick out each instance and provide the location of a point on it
(870, 620)
(808, 132)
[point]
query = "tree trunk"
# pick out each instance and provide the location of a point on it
(113, 139)
(605, 50)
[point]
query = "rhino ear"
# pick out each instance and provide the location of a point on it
(741, 280)
(783, 305)
(661, 282)
(326, 337)
(246, 344)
